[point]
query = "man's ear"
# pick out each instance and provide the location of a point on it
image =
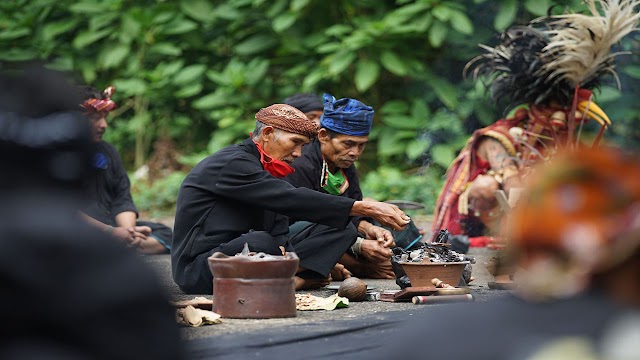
(268, 132)
(323, 135)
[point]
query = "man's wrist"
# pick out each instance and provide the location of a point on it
(108, 229)
(356, 248)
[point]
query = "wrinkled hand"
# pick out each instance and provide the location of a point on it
(383, 235)
(375, 251)
(387, 214)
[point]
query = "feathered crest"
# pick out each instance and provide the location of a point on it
(579, 45)
(539, 65)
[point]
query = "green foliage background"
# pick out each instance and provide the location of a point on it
(196, 71)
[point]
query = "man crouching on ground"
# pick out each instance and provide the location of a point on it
(235, 197)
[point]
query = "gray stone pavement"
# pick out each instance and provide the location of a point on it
(318, 319)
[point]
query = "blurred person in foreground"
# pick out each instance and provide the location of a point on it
(109, 204)
(576, 243)
(68, 290)
(327, 165)
(237, 196)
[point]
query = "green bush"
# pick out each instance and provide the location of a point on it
(157, 199)
(387, 183)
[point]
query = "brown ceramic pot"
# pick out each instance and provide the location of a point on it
(254, 288)
(420, 274)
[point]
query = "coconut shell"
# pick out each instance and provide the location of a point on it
(353, 289)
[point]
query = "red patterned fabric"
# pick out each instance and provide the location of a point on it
(104, 104)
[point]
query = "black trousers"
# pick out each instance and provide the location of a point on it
(319, 247)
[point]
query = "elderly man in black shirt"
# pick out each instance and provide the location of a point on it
(235, 197)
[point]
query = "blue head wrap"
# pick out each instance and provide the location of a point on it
(346, 116)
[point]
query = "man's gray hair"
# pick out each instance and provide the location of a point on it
(260, 126)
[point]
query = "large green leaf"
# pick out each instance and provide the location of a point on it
(283, 21)
(608, 94)
(537, 7)
(632, 70)
(367, 72)
(86, 38)
(255, 71)
(255, 44)
(11, 34)
(393, 143)
(87, 8)
(340, 61)
(393, 63)
(189, 90)
(441, 12)
(420, 110)
(394, 107)
(416, 148)
(113, 56)
(165, 48)
(178, 26)
(200, 10)
(210, 101)
(445, 91)
(461, 23)
(338, 30)
(189, 74)
(437, 34)
(297, 5)
(506, 15)
(227, 12)
(442, 155)
(130, 86)
(18, 55)
(53, 29)
(403, 122)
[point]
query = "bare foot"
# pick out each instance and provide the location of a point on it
(339, 272)
(309, 284)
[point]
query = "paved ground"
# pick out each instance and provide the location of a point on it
(318, 319)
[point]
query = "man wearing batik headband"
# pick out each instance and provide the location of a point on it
(236, 197)
(110, 206)
(327, 165)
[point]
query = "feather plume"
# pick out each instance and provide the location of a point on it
(513, 67)
(579, 47)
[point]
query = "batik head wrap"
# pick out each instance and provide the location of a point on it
(346, 116)
(103, 104)
(582, 217)
(286, 117)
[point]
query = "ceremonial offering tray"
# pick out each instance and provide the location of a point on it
(254, 285)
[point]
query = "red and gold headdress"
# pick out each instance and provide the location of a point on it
(103, 104)
(559, 59)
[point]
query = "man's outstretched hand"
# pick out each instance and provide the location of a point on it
(386, 214)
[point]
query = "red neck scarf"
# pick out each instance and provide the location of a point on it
(275, 167)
